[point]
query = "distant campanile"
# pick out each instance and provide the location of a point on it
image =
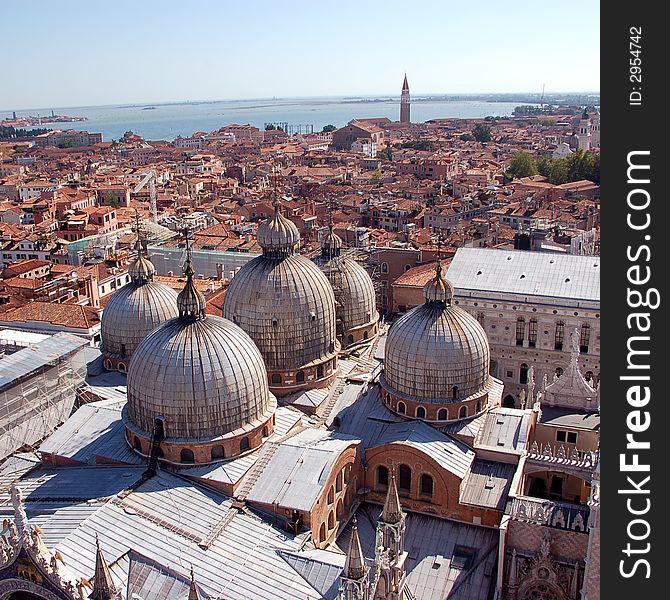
(404, 102)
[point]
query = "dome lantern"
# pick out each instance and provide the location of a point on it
(278, 236)
(190, 301)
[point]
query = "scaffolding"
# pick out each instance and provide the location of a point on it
(38, 388)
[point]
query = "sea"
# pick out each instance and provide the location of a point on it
(168, 120)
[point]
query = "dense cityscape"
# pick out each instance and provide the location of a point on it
(355, 363)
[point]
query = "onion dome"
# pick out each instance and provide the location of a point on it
(134, 311)
(355, 297)
(278, 236)
(436, 353)
(200, 374)
(287, 306)
(332, 244)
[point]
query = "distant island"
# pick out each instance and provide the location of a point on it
(32, 121)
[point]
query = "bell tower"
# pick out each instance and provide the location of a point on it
(404, 102)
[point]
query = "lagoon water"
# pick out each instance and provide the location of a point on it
(167, 121)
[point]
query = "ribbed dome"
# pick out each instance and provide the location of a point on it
(353, 288)
(277, 235)
(204, 377)
(287, 306)
(136, 310)
(436, 347)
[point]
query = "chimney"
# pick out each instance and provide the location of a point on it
(92, 291)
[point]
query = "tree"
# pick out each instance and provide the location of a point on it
(376, 177)
(328, 128)
(482, 132)
(273, 127)
(523, 164)
(385, 154)
(467, 137)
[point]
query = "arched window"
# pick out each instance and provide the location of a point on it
(244, 444)
(523, 373)
(479, 406)
(338, 482)
(589, 377)
(319, 371)
(276, 379)
(401, 408)
(218, 453)
(584, 338)
(122, 367)
(480, 318)
(322, 532)
(404, 479)
(463, 412)
(454, 392)
(123, 349)
(558, 371)
(443, 414)
(186, 456)
(421, 412)
(265, 431)
(520, 330)
(339, 510)
(300, 377)
(532, 333)
(137, 443)
(508, 401)
(350, 339)
(365, 335)
(331, 495)
(385, 267)
(559, 335)
(426, 485)
(331, 520)
(382, 476)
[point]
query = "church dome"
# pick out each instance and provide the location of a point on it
(287, 306)
(133, 312)
(355, 298)
(201, 375)
(437, 353)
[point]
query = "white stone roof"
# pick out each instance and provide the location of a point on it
(526, 273)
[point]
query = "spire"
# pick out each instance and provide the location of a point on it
(354, 565)
(193, 591)
(190, 302)
(103, 585)
(405, 85)
(142, 269)
(438, 289)
(392, 512)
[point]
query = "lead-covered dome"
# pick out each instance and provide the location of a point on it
(355, 298)
(437, 353)
(287, 306)
(133, 312)
(204, 379)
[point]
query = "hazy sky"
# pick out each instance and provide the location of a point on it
(83, 52)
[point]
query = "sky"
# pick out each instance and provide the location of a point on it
(83, 53)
